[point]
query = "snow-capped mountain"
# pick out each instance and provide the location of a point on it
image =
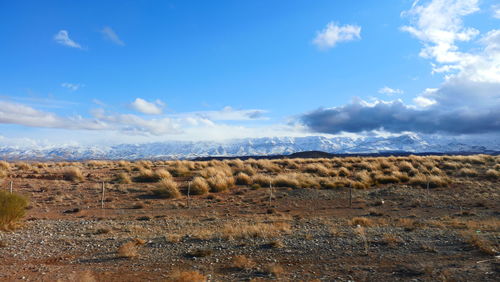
(254, 147)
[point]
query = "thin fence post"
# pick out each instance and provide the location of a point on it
(102, 197)
(11, 182)
(270, 192)
(188, 195)
(350, 195)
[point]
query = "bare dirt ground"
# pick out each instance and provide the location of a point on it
(389, 232)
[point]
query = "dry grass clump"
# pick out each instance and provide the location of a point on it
(199, 186)
(405, 166)
(73, 174)
(123, 178)
(267, 165)
(163, 174)
(286, 180)
(243, 179)
(391, 239)
(147, 176)
(186, 276)
(482, 244)
(275, 270)
(223, 170)
(262, 180)
(361, 221)
(3, 174)
(385, 179)
(493, 174)
(220, 183)
(181, 168)
(167, 189)
(241, 262)
(4, 165)
(257, 230)
(129, 249)
(23, 166)
(468, 172)
(317, 169)
(12, 209)
(434, 181)
(343, 172)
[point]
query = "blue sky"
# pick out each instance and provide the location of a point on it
(140, 71)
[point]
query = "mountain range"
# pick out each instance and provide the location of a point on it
(409, 143)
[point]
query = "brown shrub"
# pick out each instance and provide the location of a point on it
(286, 180)
(199, 186)
(147, 176)
(123, 178)
(262, 179)
(4, 165)
(219, 183)
(241, 262)
(186, 276)
(467, 172)
(243, 179)
(73, 174)
(433, 180)
(12, 209)
(361, 221)
(492, 174)
(275, 270)
(257, 230)
(128, 250)
(167, 189)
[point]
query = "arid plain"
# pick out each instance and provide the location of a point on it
(429, 218)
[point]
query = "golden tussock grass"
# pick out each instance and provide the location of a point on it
(128, 250)
(123, 178)
(220, 183)
(12, 209)
(243, 179)
(4, 165)
(199, 186)
(241, 262)
(257, 230)
(167, 189)
(468, 172)
(23, 166)
(273, 269)
(186, 276)
(73, 174)
(493, 174)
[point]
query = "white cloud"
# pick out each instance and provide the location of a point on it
(496, 11)
(111, 35)
(390, 91)
(228, 113)
(423, 102)
(334, 33)
(72, 86)
(145, 107)
(62, 37)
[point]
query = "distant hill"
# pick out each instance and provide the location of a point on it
(291, 147)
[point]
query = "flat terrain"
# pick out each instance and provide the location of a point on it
(433, 218)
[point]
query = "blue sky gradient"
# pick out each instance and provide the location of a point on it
(227, 69)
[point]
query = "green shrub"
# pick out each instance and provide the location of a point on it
(12, 209)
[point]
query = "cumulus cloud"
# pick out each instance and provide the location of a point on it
(71, 86)
(111, 35)
(15, 113)
(395, 116)
(334, 33)
(228, 113)
(149, 108)
(62, 37)
(496, 11)
(466, 102)
(390, 91)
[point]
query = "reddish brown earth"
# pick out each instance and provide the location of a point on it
(415, 234)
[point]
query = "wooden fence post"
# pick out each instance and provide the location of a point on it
(102, 197)
(11, 186)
